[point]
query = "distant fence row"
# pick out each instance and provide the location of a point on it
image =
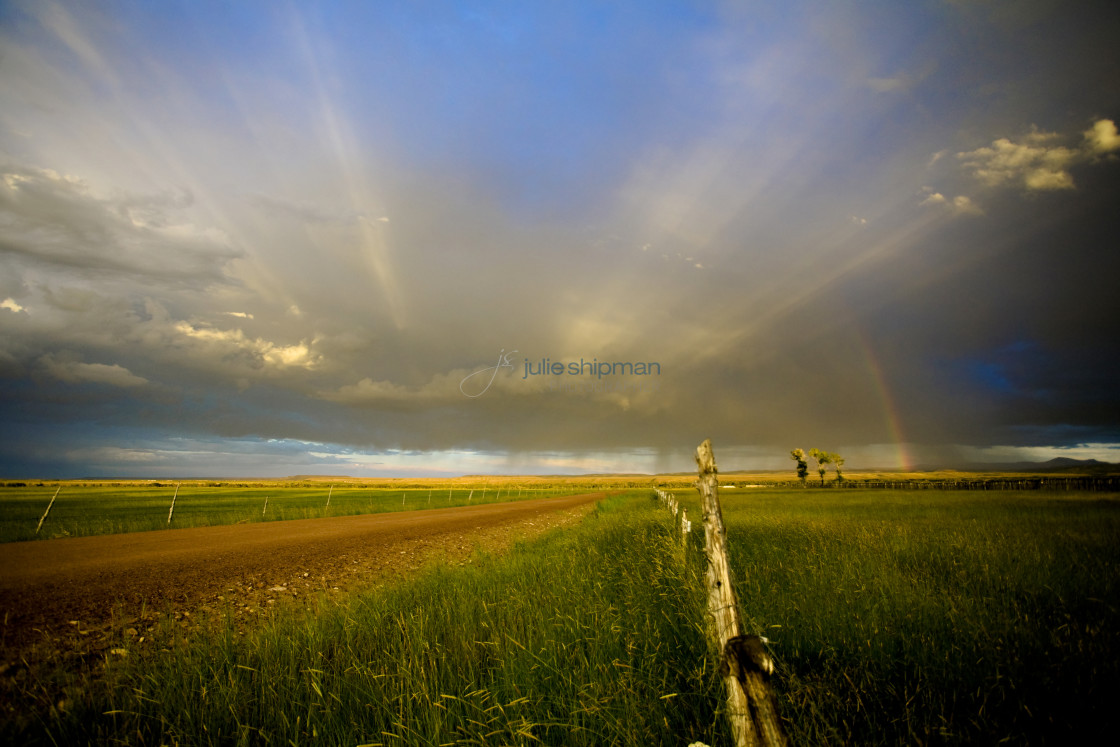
(1093, 484)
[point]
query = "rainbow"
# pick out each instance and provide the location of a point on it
(890, 411)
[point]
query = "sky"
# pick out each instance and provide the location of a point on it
(426, 239)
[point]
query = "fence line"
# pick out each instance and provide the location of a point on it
(684, 526)
(1106, 484)
(745, 664)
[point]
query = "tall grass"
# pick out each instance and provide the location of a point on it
(918, 618)
(587, 637)
(82, 511)
(896, 618)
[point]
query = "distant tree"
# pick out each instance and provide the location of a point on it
(798, 455)
(823, 458)
(837, 462)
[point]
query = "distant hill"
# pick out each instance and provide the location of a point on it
(1058, 465)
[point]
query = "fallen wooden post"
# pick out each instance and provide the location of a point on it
(745, 664)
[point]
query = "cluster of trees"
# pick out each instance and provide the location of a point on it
(823, 459)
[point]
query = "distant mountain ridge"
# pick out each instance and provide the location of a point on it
(1057, 464)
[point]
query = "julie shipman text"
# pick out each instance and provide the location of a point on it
(593, 367)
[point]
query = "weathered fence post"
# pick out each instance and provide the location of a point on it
(172, 509)
(746, 666)
(44, 516)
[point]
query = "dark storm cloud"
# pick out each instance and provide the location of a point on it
(888, 231)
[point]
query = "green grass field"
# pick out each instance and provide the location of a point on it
(896, 618)
(914, 617)
(105, 509)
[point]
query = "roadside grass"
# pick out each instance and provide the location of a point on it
(926, 617)
(895, 618)
(88, 510)
(583, 637)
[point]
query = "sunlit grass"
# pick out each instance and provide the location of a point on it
(586, 637)
(895, 618)
(918, 617)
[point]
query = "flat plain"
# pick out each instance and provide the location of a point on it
(895, 617)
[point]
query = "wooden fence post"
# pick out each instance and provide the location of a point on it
(172, 509)
(44, 516)
(745, 664)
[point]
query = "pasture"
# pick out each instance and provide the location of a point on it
(895, 618)
(90, 509)
(927, 617)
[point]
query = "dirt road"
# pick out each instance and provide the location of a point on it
(88, 584)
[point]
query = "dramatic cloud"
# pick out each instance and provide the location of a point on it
(233, 342)
(394, 238)
(55, 219)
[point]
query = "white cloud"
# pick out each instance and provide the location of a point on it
(11, 305)
(1037, 162)
(1032, 164)
(959, 204)
(74, 372)
(963, 204)
(285, 356)
(1049, 179)
(1102, 137)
